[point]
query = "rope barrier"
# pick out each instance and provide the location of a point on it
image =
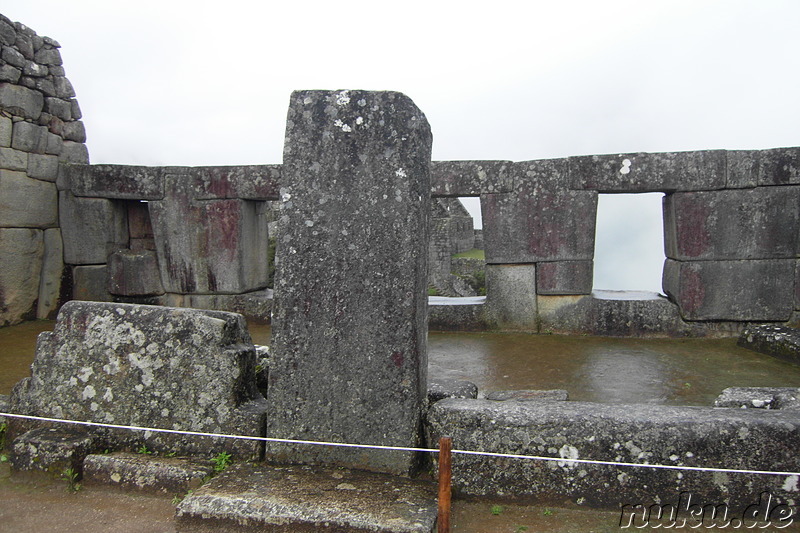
(566, 461)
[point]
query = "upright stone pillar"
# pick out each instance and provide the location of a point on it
(349, 319)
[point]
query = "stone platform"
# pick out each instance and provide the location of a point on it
(248, 497)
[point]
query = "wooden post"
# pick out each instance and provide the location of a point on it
(443, 520)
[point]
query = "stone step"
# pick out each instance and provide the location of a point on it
(146, 473)
(260, 497)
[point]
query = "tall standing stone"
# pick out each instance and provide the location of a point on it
(349, 319)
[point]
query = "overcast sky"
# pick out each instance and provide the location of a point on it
(208, 83)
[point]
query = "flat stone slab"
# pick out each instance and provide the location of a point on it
(559, 395)
(778, 341)
(146, 473)
(248, 497)
(759, 398)
(439, 389)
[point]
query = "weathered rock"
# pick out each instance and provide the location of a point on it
(53, 450)
(134, 273)
(146, 473)
(21, 101)
(779, 341)
(5, 131)
(511, 297)
(43, 167)
(457, 314)
(92, 228)
(153, 367)
(761, 223)
(26, 202)
(212, 246)
(73, 153)
(564, 277)
(675, 436)
(752, 290)
(52, 273)
(11, 159)
(558, 395)
(752, 168)
(649, 172)
(124, 182)
(90, 283)
(759, 398)
(21, 252)
(4, 404)
(29, 137)
(470, 178)
(289, 499)
(439, 389)
(349, 354)
(542, 220)
(254, 182)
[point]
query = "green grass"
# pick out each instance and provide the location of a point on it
(472, 254)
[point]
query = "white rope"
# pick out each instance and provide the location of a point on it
(564, 460)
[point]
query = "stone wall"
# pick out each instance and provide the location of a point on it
(40, 128)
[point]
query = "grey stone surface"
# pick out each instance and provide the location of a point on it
(53, 450)
(564, 277)
(453, 314)
(691, 436)
(470, 178)
(255, 305)
(90, 283)
(649, 172)
(134, 273)
(21, 253)
(558, 395)
(751, 168)
(124, 182)
(74, 153)
(92, 229)
(761, 223)
(11, 159)
(21, 101)
(349, 320)
(147, 366)
(29, 137)
(542, 220)
(6, 128)
(759, 398)
(255, 182)
(145, 473)
(26, 202)
(754, 290)
(52, 273)
(301, 499)
(439, 389)
(9, 73)
(511, 297)
(43, 167)
(212, 246)
(779, 341)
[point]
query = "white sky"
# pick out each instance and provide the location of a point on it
(208, 83)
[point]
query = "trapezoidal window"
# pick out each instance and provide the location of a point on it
(629, 243)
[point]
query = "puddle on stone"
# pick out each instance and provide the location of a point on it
(597, 369)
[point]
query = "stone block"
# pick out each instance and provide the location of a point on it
(564, 277)
(21, 252)
(146, 366)
(761, 223)
(7, 34)
(63, 87)
(58, 107)
(29, 137)
(255, 182)
(55, 144)
(439, 389)
(146, 473)
(752, 168)
(213, 246)
(11, 159)
(124, 182)
(747, 439)
(649, 172)
(27, 203)
(74, 130)
(511, 297)
(9, 73)
(21, 101)
(778, 341)
(90, 283)
(457, 314)
(52, 273)
(349, 329)
(759, 398)
(134, 274)
(554, 395)
(43, 167)
(74, 153)
(53, 450)
(92, 228)
(470, 178)
(6, 127)
(754, 290)
(48, 56)
(291, 499)
(542, 220)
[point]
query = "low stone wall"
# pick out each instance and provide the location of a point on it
(749, 439)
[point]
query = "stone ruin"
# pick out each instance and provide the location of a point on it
(350, 308)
